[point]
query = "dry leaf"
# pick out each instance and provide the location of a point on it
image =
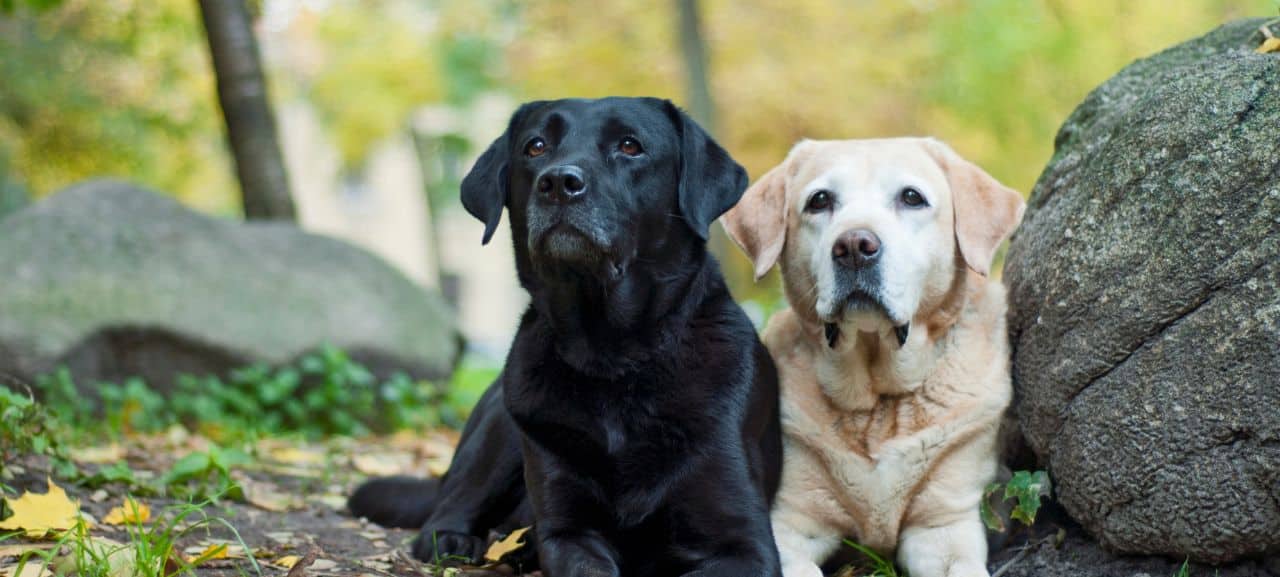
(18, 549)
(1269, 45)
(500, 549)
(266, 496)
(39, 514)
(382, 465)
(119, 557)
(297, 456)
(129, 513)
(98, 455)
(288, 561)
(34, 568)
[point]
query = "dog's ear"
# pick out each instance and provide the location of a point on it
(758, 224)
(485, 188)
(711, 182)
(986, 212)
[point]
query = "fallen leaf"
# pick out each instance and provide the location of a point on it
(18, 549)
(266, 496)
(299, 568)
(38, 515)
(500, 549)
(382, 465)
(34, 568)
(118, 559)
(1269, 45)
(98, 455)
(129, 513)
(297, 456)
(288, 561)
(323, 565)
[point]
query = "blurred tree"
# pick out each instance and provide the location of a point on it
(117, 88)
(251, 127)
(693, 49)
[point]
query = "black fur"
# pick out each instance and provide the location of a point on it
(636, 420)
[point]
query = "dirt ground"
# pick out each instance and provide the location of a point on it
(292, 517)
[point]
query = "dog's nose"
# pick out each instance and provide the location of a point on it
(856, 249)
(563, 183)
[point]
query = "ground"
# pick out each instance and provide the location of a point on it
(291, 514)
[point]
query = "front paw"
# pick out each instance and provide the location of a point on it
(448, 548)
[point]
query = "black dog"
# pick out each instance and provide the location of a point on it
(637, 405)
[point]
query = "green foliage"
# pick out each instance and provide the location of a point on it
(1185, 570)
(880, 567)
(25, 428)
(1026, 488)
(205, 474)
(324, 393)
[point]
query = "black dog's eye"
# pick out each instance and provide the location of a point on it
(912, 198)
(820, 201)
(535, 148)
(630, 147)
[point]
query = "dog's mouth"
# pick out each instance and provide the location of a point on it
(861, 305)
(564, 245)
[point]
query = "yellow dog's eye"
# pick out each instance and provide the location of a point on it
(630, 147)
(535, 148)
(819, 201)
(912, 198)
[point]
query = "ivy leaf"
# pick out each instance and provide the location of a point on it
(1027, 488)
(990, 518)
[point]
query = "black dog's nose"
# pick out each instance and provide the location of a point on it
(856, 249)
(562, 183)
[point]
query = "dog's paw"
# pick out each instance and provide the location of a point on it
(448, 548)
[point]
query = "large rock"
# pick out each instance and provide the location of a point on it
(1145, 295)
(116, 281)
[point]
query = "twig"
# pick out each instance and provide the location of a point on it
(1022, 553)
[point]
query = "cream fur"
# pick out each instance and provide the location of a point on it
(889, 445)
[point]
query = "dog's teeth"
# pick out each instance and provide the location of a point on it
(833, 334)
(901, 333)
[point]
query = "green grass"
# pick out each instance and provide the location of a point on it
(880, 567)
(150, 550)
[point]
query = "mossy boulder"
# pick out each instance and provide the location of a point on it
(115, 281)
(1145, 295)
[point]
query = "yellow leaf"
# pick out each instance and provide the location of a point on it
(288, 561)
(1270, 45)
(214, 551)
(500, 549)
(40, 514)
(129, 513)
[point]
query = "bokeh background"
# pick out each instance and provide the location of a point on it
(382, 104)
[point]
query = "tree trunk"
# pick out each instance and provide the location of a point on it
(251, 128)
(694, 50)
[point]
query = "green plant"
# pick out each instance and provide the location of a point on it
(27, 428)
(134, 407)
(880, 567)
(1026, 487)
(1185, 570)
(205, 474)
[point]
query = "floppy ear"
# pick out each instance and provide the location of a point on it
(986, 212)
(758, 224)
(485, 188)
(711, 182)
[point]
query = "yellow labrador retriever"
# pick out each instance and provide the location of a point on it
(893, 358)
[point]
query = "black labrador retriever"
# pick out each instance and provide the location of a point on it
(636, 419)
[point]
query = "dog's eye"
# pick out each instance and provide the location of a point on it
(912, 198)
(535, 148)
(630, 147)
(820, 201)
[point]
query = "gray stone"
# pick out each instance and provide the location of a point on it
(1145, 294)
(114, 281)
